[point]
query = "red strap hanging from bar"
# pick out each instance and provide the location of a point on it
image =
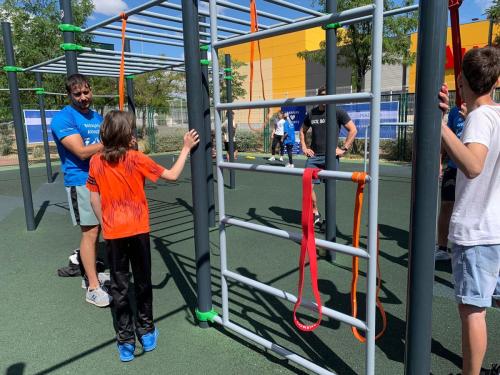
(308, 247)
(453, 6)
(121, 82)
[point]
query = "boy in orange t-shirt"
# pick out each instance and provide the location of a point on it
(116, 184)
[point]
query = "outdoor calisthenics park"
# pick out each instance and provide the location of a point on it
(226, 257)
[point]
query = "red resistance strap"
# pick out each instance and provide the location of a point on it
(254, 26)
(308, 247)
(360, 178)
(453, 6)
(121, 82)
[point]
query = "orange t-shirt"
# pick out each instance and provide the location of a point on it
(121, 187)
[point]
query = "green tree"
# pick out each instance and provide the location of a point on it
(156, 89)
(354, 41)
(36, 38)
(493, 14)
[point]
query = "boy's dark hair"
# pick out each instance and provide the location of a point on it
(76, 80)
(320, 90)
(481, 68)
(116, 134)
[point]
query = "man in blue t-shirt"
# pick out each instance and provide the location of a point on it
(76, 132)
(456, 124)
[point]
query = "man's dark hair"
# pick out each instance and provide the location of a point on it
(116, 134)
(76, 80)
(321, 89)
(481, 68)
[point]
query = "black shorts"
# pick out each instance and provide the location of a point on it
(448, 185)
(226, 146)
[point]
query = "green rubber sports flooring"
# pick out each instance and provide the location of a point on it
(48, 328)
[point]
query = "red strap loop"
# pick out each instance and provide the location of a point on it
(308, 247)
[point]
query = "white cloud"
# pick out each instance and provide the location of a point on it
(109, 7)
(483, 4)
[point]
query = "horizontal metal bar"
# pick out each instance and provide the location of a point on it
(146, 32)
(299, 8)
(392, 12)
(337, 315)
(99, 67)
(59, 58)
(167, 27)
(297, 237)
(128, 63)
(241, 8)
(296, 26)
(129, 13)
(129, 57)
(291, 356)
(344, 176)
(201, 13)
(402, 124)
(147, 40)
(118, 53)
(307, 100)
(91, 73)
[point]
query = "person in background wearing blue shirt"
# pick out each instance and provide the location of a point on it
(76, 132)
(289, 139)
(456, 124)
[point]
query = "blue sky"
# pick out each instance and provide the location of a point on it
(469, 10)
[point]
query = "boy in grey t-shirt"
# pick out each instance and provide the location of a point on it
(475, 222)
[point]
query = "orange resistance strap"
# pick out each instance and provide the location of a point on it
(308, 247)
(121, 83)
(254, 26)
(359, 178)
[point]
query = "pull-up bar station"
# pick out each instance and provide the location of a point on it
(430, 63)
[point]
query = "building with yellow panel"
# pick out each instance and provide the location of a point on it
(286, 75)
(472, 35)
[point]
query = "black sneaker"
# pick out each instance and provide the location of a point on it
(317, 218)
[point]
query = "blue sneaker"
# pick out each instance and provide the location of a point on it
(149, 340)
(126, 352)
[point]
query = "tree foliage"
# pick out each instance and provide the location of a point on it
(36, 38)
(354, 41)
(493, 14)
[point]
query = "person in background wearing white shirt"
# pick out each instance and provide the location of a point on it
(475, 221)
(277, 136)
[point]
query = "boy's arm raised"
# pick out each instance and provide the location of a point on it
(191, 139)
(469, 157)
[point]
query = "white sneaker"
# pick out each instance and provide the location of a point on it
(104, 278)
(281, 158)
(289, 165)
(271, 158)
(98, 297)
(441, 254)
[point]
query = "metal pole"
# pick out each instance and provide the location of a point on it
(332, 130)
(69, 37)
(230, 119)
(208, 132)
(426, 145)
(41, 104)
(130, 84)
(366, 150)
(220, 174)
(18, 126)
(198, 164)
(371, 277)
